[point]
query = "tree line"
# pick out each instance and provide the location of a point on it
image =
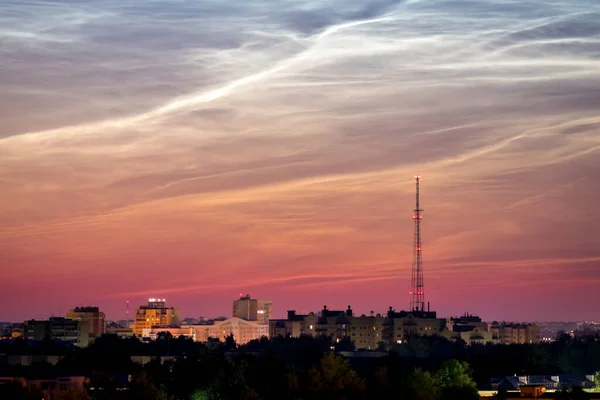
(421, 368)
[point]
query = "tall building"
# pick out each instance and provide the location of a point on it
(250, 309)
(58, 328)
(155, 314)
(92, 316)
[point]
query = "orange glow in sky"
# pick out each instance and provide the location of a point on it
(197, 150)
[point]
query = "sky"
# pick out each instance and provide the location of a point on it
(196, 150)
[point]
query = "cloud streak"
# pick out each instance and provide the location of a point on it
(247, 145)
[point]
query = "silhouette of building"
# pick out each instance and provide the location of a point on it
(509, 333)
(58, 328)
(295, 325)
(469, 328)
(95, 319)
(155, 314)
(252, 310)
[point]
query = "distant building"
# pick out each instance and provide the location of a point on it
(58, 328)
(469, 328)
(155, 314)
(252, 310)
(243, 331)
(400, 325)
(587, 331)
(549, 382)
(365, 332)
(185, 331)
(120, 331)
(509, 333)
(294, 326)
(92, 316)
(11, 331)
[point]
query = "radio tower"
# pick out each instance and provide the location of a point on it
(417, 295)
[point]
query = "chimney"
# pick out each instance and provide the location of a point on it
(349, 311)
(428, 307)
(291, 314)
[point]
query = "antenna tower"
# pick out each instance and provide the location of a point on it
(417, 295)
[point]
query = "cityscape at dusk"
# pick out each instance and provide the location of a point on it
(299, 200)
(196, 150)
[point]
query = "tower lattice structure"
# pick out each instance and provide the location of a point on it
(417, 294)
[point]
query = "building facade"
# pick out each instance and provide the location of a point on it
(294, 325)
(243, 331)
(509, 333)
(469, 328)
(252, 309)
(58, 328)
(155, 314)
(92, 316)
(366, 332)
(400, 325)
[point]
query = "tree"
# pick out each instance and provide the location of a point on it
(345, 344)
(454, 373)
(333, 378)
(454, 381)
(459, 392)
(230, 342)
(597, 381)
(141, 388)
(164, 335)
(420, 385)
(199, 395)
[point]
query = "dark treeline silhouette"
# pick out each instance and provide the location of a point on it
(293, 368)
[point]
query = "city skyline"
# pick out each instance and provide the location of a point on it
(196, 150)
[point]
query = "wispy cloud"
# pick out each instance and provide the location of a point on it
(277, 144)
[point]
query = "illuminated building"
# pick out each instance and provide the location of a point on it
(185, 331)
(252, 310)
(92, 316)
(155, 314)
(243, 331)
